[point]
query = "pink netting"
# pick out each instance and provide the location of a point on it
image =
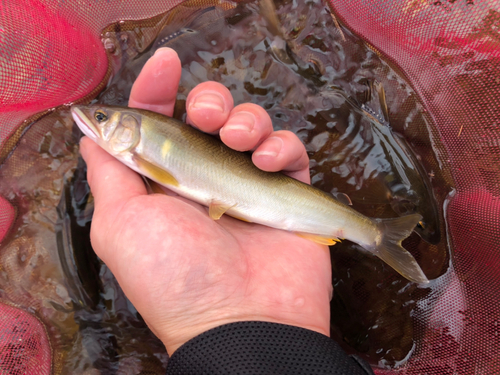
(7, 214)
(24, 346)
(51, 54)
(450, 51)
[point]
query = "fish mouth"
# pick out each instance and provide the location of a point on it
(84, 123)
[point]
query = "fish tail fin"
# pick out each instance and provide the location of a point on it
(394, 231)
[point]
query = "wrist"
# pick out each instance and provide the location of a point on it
(177, 335)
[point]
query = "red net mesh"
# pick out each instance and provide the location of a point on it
(24, 346)
(450, 51)
(7, 214)
(51, 54)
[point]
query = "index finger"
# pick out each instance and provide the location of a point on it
(156, 87)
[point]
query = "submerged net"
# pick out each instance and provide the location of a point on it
(24, 348)
(439, 62)
(450, 52)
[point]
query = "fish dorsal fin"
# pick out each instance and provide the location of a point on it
(322, 240)
(217, 209)
(376, 105)
(268, 12)
(343, 198)
(378, 193)
(155, 172)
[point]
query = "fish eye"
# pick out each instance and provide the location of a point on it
(421, 224)
(100, 116)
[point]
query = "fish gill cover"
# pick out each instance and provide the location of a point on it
(316, 70)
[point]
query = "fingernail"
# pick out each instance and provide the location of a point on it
(212, 101)
(273, 147)
(240, 121)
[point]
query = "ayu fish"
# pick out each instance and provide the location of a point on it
(386, 157)
(201, 168)
(406, 186)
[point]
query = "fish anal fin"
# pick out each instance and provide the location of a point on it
(217, 209)
(322, 240)
(240, 218)
(156, 173)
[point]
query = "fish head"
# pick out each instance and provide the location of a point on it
(113, 128)
(428, 227)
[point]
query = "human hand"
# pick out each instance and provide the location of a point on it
(184, 272)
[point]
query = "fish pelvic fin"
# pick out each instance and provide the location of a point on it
(217, 209)
(394, 231)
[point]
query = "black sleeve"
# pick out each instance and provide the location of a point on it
(263, 348)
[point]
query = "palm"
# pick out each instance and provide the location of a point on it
(185, 264)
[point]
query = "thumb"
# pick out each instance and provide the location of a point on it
(112, 183)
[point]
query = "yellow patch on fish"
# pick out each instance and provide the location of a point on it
(158, 174)
(318, 239)
(167, 145)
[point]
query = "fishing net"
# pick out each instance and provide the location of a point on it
(25, 348)
(61, 311)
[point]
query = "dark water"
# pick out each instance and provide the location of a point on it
(112, 331)
(49, 268)
(315, 78)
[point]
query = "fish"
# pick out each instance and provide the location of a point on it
(201, 168)
(185, 31)
(389, 158)
(405, 184)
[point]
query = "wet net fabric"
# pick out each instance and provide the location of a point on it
(450, 52)
(51, 54)
(24, 344)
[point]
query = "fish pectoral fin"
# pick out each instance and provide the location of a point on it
(156, 187)
(378, 194)
(322, 240)
(155, 172)
(217, 209)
